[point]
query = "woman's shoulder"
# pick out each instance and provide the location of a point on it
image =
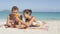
(32, 17)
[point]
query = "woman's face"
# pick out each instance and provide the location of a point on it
(26, 15)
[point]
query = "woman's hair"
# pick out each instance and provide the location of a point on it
(14, 8)
(27, 11)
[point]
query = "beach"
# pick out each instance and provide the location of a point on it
(51, 18)
(53, 28)
(36, 16)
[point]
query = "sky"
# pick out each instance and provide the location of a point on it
(35, 5)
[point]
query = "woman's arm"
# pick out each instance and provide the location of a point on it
(30, 22)
(33, 19)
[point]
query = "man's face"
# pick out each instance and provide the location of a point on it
(15, 11)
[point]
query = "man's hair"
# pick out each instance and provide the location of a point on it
(27, 11)
(14, 8)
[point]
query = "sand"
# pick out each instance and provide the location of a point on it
(53, 28)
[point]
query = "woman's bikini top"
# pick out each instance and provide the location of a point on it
(28, 19)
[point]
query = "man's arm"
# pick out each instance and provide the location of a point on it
(8, 21)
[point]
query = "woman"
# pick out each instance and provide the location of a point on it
(30, 19)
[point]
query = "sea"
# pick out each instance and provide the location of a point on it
(37, 15)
